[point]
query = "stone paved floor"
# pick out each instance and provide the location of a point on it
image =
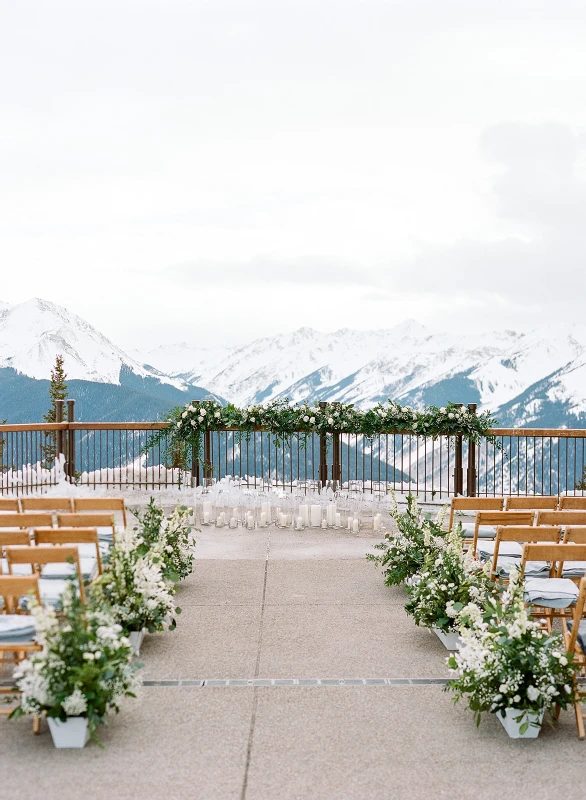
(346, 699)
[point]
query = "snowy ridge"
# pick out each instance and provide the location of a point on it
(34, 332)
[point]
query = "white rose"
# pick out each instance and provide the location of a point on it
(311, 420)
(450, 416)
(203, 412)
(563, 661)
(442, 410)
(200, 419)
(252, 419)
(217, 415)
(178, 424)
(330, 421)
(193, 423)
(517, 699)
(184, 414)
(305, 419)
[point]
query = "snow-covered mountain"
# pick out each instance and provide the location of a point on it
(34, 332)
(525, 378)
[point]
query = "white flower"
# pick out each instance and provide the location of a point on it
(203, 412)
(217, 415)
(330, 421)
(563, 661)
(75, 704)
(178, 424)
(306, 419)
(252, 419)
(312, 420)
(567, 689)
(200, 419)
(442, 410)
(533, 693)
(88, 656)
(184, 414)
(450, 416)
(517, 699)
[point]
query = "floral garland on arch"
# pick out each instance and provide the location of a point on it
(283, 419)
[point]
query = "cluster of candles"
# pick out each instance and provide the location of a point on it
(306, 516)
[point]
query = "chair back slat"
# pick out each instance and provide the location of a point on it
(554, 552)
(85, 521)
(39, 556)
(9, 504)
(46, 504)
(496, 518)
(548, 503)
(529, 533)
(575, 534)
(14, 537)
(572, 503)
(13, 587)
(28, 520)
(561, 518)
(474, 504)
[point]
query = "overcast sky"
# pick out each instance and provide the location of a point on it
(220, 170)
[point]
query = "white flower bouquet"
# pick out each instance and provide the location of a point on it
(170, 541)
(449, 580)
(85, 668)
(133, 589)
(509, 661)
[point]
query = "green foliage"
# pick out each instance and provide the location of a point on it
(170, 539)
(188, 423)
(509, 660)
(403, 552)
(84, 669)
(57, 391)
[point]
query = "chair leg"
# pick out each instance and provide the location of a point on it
(36, 725)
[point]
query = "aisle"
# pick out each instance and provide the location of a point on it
(294, 673)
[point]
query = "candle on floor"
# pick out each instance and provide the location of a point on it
(338, 520)
(250, 522)
(304, 511)
(206, 517)
(207, 507)
(355, 525)
(235, 513)
(349, 523)
(299, 526)
(376, 522)
(233, 522)
(324, 523)
(315, 516)
(263, 519)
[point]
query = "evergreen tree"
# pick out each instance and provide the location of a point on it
(57, 391)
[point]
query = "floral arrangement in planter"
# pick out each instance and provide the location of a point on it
(133, 589)
(510, 665)
(449, 580)
(169, 540)
(82, 673)
(403, 553)
(188, 423)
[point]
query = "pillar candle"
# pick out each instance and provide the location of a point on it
(349, 523)
(235, 513)
(315, 516)
(263, 519)
(355, 525)
(250, 522)
(233, 522)
(304, 511)
(338, 520)
(207, 507)
(206, 517)
(324, 523)
(299, 526)
(376, 522)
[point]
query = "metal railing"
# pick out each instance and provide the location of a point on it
(523, 461)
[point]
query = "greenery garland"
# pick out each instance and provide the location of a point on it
(283, 419)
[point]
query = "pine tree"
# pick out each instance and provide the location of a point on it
(57, 391)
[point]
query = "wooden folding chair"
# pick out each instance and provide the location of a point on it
(9, 504)
(575, 534)
(14, 650)
(29, 520)
(563, 518)
(46, 504)
(70, 536)
(557, 555)
(537, 503)
(474, 504)
(521, 534)
(574, 632)
(113, 504)
(37, 557)
(572, 503)
(494, 519)
(88, 521)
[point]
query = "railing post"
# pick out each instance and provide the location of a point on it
(195, 479)
(59, 434)
(336, 465)
(207, 454)
(71, 441)
(458, 468)
(471, 471)
(323, 454)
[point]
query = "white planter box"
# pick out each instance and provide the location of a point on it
(73, 732)
(451, 641)
(508, 721)
(136, 638)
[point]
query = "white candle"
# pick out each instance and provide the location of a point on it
(233, 522)
(220, 520)
(331, 514)
(376, 522)
(355, 525)
(235, 513)
(206, 517)
(349, 523)
(324, 523)
(315, 516)
(338, 520)
(207, 507)
(299, 523)
(263, 519)
(250, 522)
(304, 511)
